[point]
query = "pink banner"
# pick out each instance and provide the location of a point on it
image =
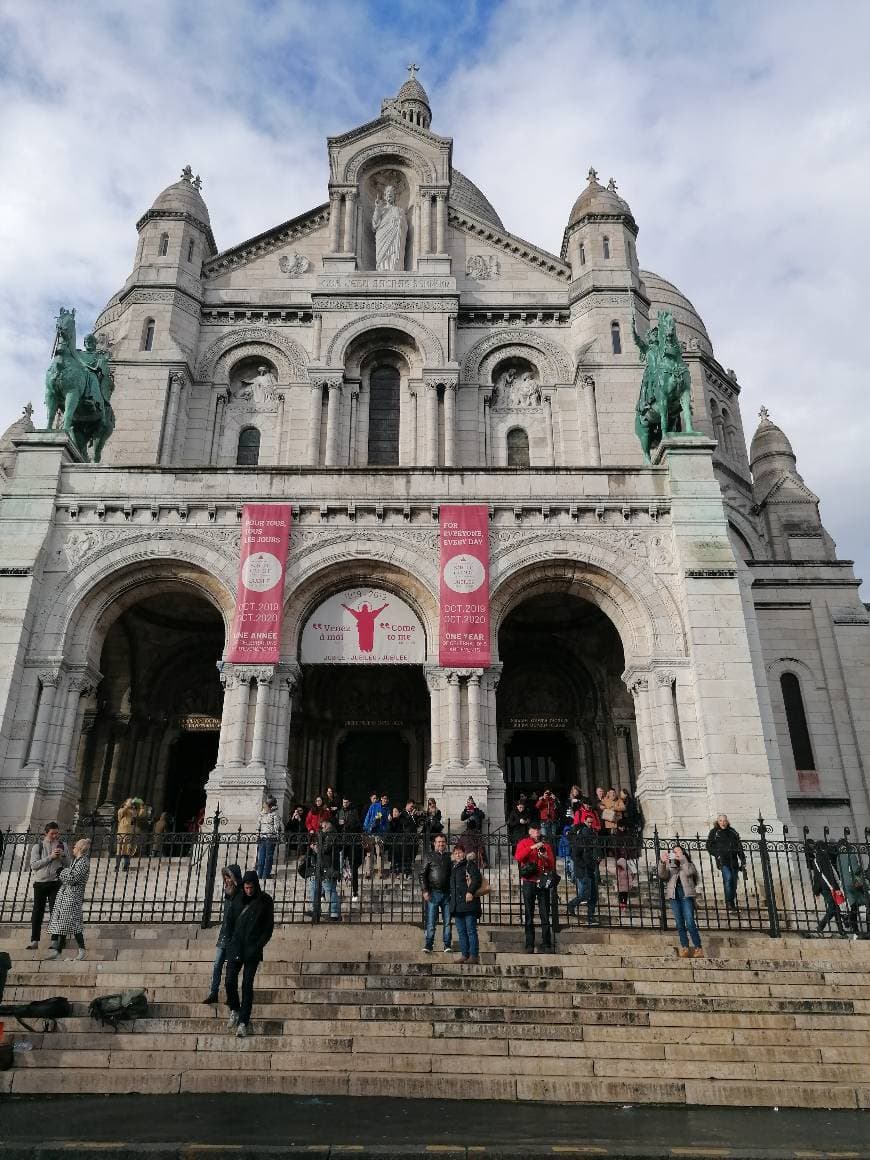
(464, 637)
(255, 637)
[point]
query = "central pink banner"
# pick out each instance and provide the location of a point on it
(464, 590)
(255, 636)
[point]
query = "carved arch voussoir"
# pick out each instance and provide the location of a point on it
(553, 363)
(427, 341)
(290, 358)
(388, 150)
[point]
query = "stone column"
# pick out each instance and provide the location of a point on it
(639, 689)
(434, 685)
(487, 430)
(228, 680)
(432, 425)
(334, 221)
(315, 411)
(623, 741)
(78, 686)
(474, 722)
(409, 452)
(350, 221)
(316, 336)
(454, 718)
(441, 222)
(220, 404)
(590, 420)
(177, 383)
(115, 793)
(289, 677)
(425, 223)
(668, 729)
(332, 422)
(354, 423)
(450, 391)
(261, 715)
(238, 733)
(548, 423)
(451, 338)
(48, 681)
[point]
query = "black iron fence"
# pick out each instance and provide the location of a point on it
(176, 878)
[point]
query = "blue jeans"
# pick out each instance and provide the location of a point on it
(438, 900)
(587, 891)
(466, 929)
(220, 957)
(729, 883)
(684, 917)
(331, 888)
(265, 854)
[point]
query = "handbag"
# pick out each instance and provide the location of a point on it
(838, 896)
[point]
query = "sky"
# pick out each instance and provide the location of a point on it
(739, 133)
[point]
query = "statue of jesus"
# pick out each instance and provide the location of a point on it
(391, 228)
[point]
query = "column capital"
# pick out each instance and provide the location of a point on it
(664, 677)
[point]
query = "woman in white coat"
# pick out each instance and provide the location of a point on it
(66, 914)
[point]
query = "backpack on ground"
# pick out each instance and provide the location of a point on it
(48, 1010)
(121, 1008)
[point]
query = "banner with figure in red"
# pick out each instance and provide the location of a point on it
(255, 636)
(464, 589)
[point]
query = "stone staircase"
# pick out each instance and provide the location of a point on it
(615, 1016)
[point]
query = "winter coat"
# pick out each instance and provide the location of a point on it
(820, 860)
(315, 816)
(547, 807)
(725, 847)
(612, 809)
(632, 816)
(252, 928)
(465, 878)
(684, 872)
(432, 824)
(43, 867)
(232, 904)
(377, 819)
(518, 823)
(66, 914)
(588, 817)
(435, 871)
(126, 828)
(269, 825)
(586, 850)
(475, 812)
(853, 876)
(471, 842)
(537, 862)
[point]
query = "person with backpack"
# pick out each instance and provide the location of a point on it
(66, 914)
(726, 850)
(251, 931)
(47, 859)
(232, 901)
(586, 846)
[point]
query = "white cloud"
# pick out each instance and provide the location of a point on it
(738, 132)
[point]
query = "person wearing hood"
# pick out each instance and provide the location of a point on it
(232, 903)
(251, 932)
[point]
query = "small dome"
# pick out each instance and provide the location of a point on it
(770, 443)
(184, 197)
(412, 90)
(596, 199)
(464, 194)
(23, 425)
(664, 295)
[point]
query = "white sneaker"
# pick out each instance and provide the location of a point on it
(242, 1031)
(448, 950)
(354, 898)
(233, 1020)
(82, 955)
(32, 946)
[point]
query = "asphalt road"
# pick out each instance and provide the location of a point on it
(187, 1127)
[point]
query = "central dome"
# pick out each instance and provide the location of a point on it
(464, 194)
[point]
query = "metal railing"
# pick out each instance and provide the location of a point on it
(176, 878)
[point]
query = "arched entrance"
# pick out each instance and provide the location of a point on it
(563, 712)
(153, 726)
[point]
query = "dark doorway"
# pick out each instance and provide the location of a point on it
(191, 758)
(537, 760)
(373, 762)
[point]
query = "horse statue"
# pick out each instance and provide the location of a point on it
(665, 397)
(78, 389)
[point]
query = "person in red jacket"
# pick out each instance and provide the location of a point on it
(548, 811)
(537, 864)
(318, 813)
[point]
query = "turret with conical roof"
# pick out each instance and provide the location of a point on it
(411, 102)
(601, 231)
(788, 507)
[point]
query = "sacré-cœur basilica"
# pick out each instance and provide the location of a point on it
(684, 626)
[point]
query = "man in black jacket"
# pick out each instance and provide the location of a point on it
(585, 846)
(233, 896)
(251, 931)
(349, 825)
(725, 847)
(435, 881)
(465, 883)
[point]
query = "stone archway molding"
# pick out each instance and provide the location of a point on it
(553, 363)
(289, 357)
(427, 341)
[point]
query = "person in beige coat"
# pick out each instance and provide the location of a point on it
(680, 875)
(126, 844)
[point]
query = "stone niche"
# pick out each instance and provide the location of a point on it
(406, 188)
(253, 382)
(519, 432)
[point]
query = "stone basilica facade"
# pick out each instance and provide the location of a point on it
(685, 627)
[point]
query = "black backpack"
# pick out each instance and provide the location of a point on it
(121, 1008)
(48, 1010)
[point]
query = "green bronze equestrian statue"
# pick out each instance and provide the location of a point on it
(79, 385)
(666, 390)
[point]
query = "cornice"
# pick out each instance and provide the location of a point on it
(178, 215)
(267, 242)
(511, 244)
